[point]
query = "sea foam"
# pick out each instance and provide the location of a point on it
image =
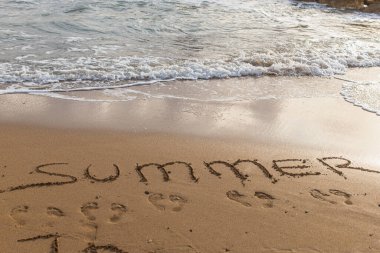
(365, 95)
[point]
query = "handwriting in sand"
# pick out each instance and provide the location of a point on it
(285, 167)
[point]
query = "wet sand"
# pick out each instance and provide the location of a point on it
(296, 174)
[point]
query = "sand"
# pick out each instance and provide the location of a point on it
(169, 175)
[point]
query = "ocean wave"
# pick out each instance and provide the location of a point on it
(60, 45)
(286, 60)
(365, 95)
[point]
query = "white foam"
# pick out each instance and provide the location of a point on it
(74, 49)
(76, 39)
(364, 95)
(286, 60)
(28, 47)
(25, 56)
(177, 39)
(14, 89)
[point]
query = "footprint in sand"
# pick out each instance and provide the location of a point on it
(325, 196)
(238, 197)
(265, 196)
(343, 194)
(54, 212)
(87, 210)
(90, 210)
(243, 199)
(119, 211)
(173, 202)
(18, 214)
(90, 227)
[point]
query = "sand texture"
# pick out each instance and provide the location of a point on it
(289, 175)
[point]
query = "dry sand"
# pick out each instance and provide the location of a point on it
(164, 175)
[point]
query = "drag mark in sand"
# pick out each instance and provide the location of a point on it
(109, 179)
(282, 169)
(38, 169)
(53, 246)
(236, 171)
(92, 248)
(345, 165)
(165, 174)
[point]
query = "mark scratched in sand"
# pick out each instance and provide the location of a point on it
(165, 174)
(39, 169)
(92, 221)
(236, 171)
(345, 165)
(109, 179)
(54, 246)
(332, 164)
(283, 169)
(92, 248)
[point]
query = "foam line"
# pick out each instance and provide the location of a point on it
(34, 91)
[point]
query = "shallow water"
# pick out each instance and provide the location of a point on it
(53, 46)
(61, 44)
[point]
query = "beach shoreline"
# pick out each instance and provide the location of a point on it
(296, 174)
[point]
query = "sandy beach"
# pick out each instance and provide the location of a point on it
(271, 175)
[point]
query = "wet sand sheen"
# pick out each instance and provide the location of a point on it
(288, 175)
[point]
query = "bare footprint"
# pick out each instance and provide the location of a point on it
(324, 196)
(90, 230)
(18, 213)
(158, 200)
(179, 200)
(155, 198)
(238, 197)
(119, 210)
(54, 211)
(89, 226)
(346, 195)
(321, 196)
(87, 209)
(242, 199)
(265, 196)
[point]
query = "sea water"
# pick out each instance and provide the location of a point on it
(51, 45)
